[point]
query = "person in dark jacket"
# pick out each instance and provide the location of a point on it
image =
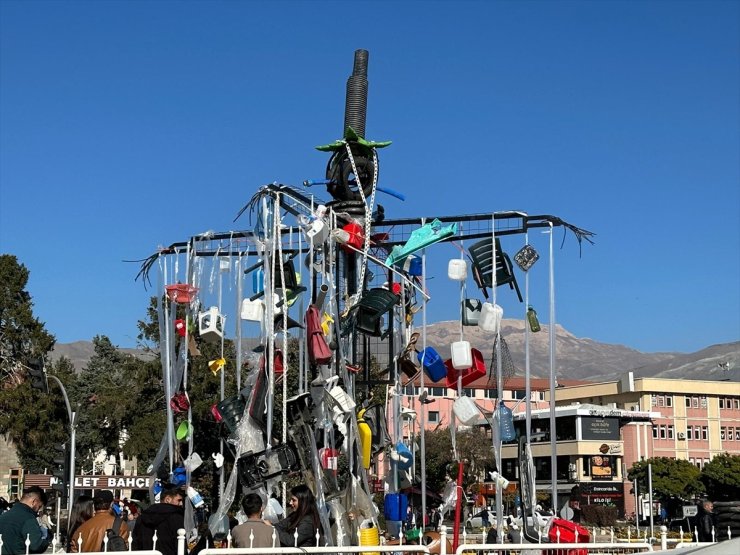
(705, 521)
(166, 518)
(20, 522)
(304, 519)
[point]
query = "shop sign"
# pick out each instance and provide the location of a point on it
(112, 482)
(599, 428)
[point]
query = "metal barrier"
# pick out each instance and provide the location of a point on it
(554, 548)
(58, 547)
(405, 548)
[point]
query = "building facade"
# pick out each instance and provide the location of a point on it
(693, 420)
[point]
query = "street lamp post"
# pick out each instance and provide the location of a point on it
(72, 432)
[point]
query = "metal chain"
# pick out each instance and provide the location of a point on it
(368, 207)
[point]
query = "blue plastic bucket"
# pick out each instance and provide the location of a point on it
(433, 364)
(395, 506)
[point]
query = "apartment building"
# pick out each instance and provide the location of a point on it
(693, 420)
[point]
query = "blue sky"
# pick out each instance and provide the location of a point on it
(128, 125)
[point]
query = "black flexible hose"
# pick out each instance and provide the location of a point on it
(355, 107)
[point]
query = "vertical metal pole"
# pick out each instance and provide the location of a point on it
(72, 429)
(637, 505)
(59, 520)
(72, 456)
(650, 497)
(553, 426)
(422, 406)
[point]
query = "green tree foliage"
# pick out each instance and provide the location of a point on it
(672, 478)
(22, 335)
(107, 392)
(473, 446)
(31, 419)
(721, 477)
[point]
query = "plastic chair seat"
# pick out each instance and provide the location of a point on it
(481, 255)
(371, 308)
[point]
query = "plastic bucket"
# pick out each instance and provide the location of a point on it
(433, 364)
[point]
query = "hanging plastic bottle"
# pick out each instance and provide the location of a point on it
(534, 323)
(195, 497)
(506, 423)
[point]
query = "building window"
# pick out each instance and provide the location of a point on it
(689, 432)
(703, 401)
(670, 431)
(721, 402)
(469, 392)
(655, 432)
(669, 400)
(695, 402)
(737, 434)
(433, 416)
(541, 395)
(705, 433)
(662, 432)
(737, 403)
(722, 433)
(697, 432)
(654, 400)
(436, 391)
(518, 394)
(491, 394)
(688, 402)
(661, 401)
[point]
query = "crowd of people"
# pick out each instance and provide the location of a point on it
(92, 519)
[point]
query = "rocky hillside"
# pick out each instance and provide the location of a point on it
(583, 358)
(576, 358)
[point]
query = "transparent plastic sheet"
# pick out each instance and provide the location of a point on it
(341, 530)
(175, 379)
(449, 498)
(362, 505)
(249, 438)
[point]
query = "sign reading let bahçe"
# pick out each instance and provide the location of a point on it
(112, 482)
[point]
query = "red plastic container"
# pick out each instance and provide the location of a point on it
(181, 292)
(469, 375)
(356, 236)
(567, 535)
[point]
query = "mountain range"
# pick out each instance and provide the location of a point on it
(576, 357)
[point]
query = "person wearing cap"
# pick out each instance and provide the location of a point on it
(20, 522)
(92, 531)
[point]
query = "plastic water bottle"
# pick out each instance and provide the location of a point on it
(506, 423)
(195, 497)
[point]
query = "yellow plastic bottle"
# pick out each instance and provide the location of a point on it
(366, 439)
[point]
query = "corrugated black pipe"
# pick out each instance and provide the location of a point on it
(355, 107)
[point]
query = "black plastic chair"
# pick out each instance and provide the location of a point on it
(481, 254)
(370, 310)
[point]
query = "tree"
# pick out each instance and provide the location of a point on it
(31, 419)
(721, 477)
(672, 478)
(473, 445)
(107, 391)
